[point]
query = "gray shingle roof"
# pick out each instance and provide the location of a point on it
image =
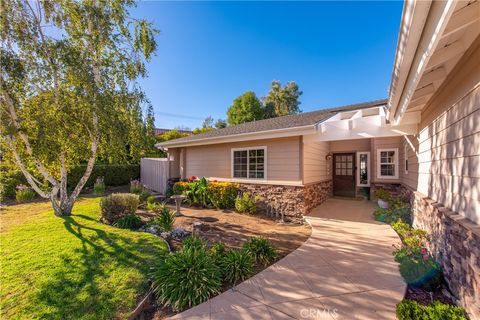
(291, 121)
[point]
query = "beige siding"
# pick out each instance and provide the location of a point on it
(444, 158)
(350, 145)
(315, 166)
(386, 143)
(214, 161)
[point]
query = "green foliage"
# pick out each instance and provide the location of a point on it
(194, 242)
(129, 221)
(246, 203)
(117, 205)
(155, 206)
(170, 135)
(113, 174)
(144, 195)
(165, 218)
(245, 108)
(392, 215)
(69, 267)
(236, 265)
(261, 250)
(186, 278)
(196, 192)
(151, 199)
(179, 188)
(217, 251)
(24, 194)
(9, 179)
(222, 194)
(99, 187)
(402, 228)
(282, 101)
(412, 310)
(220, 124)
(70, 96)
(415, 238)
(383, 194)
(136, 187)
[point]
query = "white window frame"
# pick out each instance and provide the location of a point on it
(405, 158)
(368, 169)
(264, 148)
(395, 163)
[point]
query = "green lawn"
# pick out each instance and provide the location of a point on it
(71, 268)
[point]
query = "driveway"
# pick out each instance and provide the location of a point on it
(345, 270)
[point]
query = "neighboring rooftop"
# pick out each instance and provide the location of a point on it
(286, 122)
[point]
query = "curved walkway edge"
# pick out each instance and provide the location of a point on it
(345, 270)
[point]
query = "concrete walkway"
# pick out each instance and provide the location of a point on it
(345, 270)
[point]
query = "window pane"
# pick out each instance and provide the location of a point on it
(363, 169)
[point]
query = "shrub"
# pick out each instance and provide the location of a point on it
(380, 214)
(261, 250)
(144, 195)
(392, 215)
(417, 268)
(194, 242)
(129, 221)
(217, 251)
(113, 174)
(155, 206)
(415, 238)
(222, 194)
(196, 192)
(135, 187)
(402, 228)
(24, 193)
(412, 310)
(99, 187)
(9, 180)
(186, 278)
(180, 187)
(165, 218)
(117, 205)
(151, 199)
(236, 265)
(246, 203)
(383, 194)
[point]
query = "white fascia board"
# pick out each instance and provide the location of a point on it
(268, 134)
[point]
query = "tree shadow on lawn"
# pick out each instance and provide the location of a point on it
(102, 278)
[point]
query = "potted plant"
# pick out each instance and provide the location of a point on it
(383, 197)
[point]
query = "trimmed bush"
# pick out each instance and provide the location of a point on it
(130, 221)
(261, 250)
(117, 205)
(24, 193)
(186, 278)
(165, 219)
(246, 203)
(99, 187)
(237, 265)
(222, 194)
(113, 174)
(412, 310)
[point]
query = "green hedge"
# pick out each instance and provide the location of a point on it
(114, 175)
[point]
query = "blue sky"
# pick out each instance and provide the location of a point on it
(211, 52)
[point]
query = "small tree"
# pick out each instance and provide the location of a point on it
(245, 108)
(220, 124)
(282, 101)
(67, 69)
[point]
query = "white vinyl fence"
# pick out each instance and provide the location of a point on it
(154, 173)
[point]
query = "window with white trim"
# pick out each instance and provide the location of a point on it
(363, 169)
(387, 163)
(249, 163)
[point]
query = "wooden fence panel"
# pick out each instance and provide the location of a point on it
(154, 173)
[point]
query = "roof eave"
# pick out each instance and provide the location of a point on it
(266, 134)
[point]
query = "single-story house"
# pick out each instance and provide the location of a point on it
(424, 138)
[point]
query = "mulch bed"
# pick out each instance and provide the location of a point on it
(232, 229)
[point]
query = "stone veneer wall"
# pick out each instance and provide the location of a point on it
(455, 242)
(293, 201)
(317, 193)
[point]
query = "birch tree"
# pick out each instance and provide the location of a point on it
(67, 80)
